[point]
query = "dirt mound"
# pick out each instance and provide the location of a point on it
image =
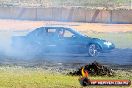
(94, 68)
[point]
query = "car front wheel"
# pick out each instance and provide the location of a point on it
(93, 50)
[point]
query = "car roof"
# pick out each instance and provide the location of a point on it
(50, 26)
(56, 26)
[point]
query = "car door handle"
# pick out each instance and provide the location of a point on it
(52, 45)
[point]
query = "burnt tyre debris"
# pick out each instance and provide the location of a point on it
(95, 69)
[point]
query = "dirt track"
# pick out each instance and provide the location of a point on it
(15, 25)
(117, 57)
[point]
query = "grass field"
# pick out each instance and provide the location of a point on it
(20, 77)
(86, 3)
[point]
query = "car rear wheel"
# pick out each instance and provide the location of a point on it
(93, 50)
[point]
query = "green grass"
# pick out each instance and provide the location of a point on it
(121, 40)
(87, 3)
(19, 77)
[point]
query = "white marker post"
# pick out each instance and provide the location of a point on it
(131, 4)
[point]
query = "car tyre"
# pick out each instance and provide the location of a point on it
(93, 50)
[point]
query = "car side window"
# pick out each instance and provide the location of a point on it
(68, 34)
(37, 32)
(51, 32)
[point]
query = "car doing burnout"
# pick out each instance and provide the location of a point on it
(56, 39)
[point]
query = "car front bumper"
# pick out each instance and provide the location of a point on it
(106, 48)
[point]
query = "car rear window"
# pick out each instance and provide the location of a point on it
(51, 30)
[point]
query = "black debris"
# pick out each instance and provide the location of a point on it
(95, 69)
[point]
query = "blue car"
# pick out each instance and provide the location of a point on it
(57, 39)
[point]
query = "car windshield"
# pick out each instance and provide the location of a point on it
(77, 32)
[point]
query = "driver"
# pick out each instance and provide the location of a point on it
(60, 33)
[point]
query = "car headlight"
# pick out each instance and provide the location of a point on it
(107, 43)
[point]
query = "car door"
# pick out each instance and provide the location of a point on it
(51, 39)
(71, 42)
